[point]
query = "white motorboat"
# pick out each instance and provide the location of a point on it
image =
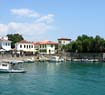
(29, 61)
(56, 59)
(11, 67)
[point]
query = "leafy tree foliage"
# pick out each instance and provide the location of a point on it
(86, 43)
(14, 38)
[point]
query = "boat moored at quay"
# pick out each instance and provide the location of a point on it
(11, 67)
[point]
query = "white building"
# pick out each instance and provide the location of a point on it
(36, 47)
(48, 47)
(61, 43)
(64, 41)
(25, 46)
(5, 43)
(44, 47)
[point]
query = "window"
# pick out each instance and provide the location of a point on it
(6, 44)
(60, 42)
(51, 45)
(45, 46)
(24, 46)
(40, 46)
(27, 46)
(20, 46)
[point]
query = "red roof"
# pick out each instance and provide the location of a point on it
(40, 43)
(24, 41)
(4, 40)
(48, 42)
(36, 43)
(64, 39)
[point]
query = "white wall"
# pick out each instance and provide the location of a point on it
(6, 45)
(64, 42)
(25, 47)
(52, 49)
(48, 48)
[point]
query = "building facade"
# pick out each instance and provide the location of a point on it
(64, 41)
(36, 47)
(48, 47)
(5, 43)
(25, 46)
(44, 47)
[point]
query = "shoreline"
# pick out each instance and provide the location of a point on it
(44, 58)
(10, 57)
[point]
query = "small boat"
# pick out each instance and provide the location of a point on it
(56, 59)
(28, 61)
(11, 67)
(31, 60)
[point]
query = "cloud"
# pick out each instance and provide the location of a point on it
(30, 30)
(30, 13)
(47, 19)
(25, 12)
(3, 28)
(37, 28)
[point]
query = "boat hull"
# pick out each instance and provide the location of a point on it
(11, 71)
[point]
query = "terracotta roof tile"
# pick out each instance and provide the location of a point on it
(64, 39)
(24, 41)
(36, 43)
(4, 40)
(48, 42)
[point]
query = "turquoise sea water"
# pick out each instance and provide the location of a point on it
(55, 79)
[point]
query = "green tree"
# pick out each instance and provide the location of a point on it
(83, 43)
(86, 43)
(79, 46)
(14, 38)
(68, 47)
(99, 44)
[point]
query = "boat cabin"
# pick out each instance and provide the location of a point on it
(8, 67)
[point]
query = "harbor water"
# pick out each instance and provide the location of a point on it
(68, 78)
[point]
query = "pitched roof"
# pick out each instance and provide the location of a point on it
(24, 41)
(48, 42)
(64, 39)
(4, 40)
(36, 43)
(39, 43)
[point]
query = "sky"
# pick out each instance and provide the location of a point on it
(38, 20)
